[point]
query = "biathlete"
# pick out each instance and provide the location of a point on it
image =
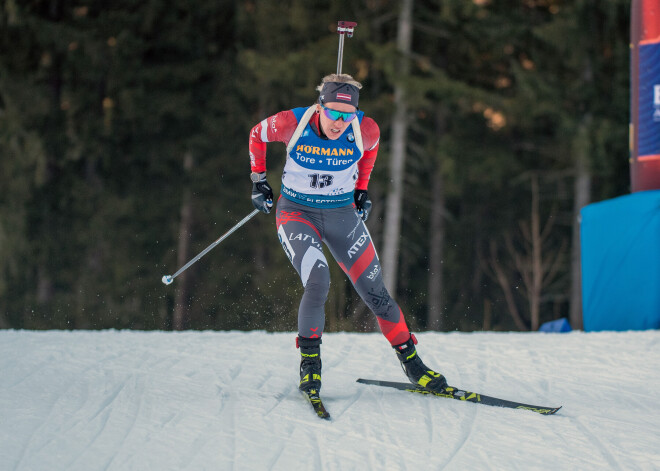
(331, 151)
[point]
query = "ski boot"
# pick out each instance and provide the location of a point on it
(417, 372)
(310, 365)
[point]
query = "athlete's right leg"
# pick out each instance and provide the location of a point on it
(301, 240)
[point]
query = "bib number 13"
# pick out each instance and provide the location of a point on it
(320, 180)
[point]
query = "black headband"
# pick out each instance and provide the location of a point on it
(339, 92)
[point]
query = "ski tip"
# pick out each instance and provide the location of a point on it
(540, 410)
(555, 410)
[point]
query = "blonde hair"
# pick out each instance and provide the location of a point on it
(341, 78)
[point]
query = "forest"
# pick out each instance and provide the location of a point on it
(124, 129)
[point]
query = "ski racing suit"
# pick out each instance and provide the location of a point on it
(316, 205)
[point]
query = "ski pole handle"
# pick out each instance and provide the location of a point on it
(343, 28)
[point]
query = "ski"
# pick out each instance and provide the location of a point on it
(462, 395)
(317, 404)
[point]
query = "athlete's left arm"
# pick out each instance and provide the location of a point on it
(370, 139)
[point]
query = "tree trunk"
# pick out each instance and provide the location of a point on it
(178, 320)
(582, 196)
(437, 237)
(536, 259)
(503, 280)
(398, 154)
(45, 289)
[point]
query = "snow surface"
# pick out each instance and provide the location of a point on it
(123, 400)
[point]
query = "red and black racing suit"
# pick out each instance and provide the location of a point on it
(316, 205)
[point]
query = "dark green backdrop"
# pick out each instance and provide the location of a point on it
(124, 127)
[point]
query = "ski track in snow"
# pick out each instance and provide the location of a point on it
(471, 416)
(123, 400)
(598, 445)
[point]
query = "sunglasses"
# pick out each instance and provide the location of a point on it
(334, 115)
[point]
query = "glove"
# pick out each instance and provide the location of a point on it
(262, 196)
(362, 203)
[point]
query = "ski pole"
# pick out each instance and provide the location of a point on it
(343, 27)
(168, 279)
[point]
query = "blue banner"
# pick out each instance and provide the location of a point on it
(648, 140)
